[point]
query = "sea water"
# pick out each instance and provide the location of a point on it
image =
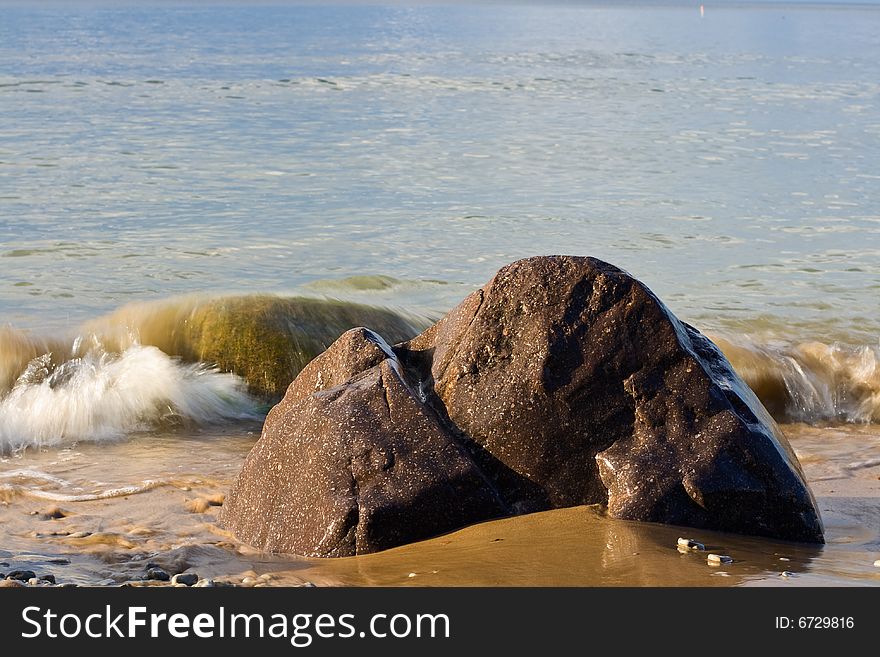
(396, 157)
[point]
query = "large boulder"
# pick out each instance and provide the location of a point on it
(354, 468)
(563, 381)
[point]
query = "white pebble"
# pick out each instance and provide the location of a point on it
(690, 544)
(411, 575)
(877, 563)
(248, 581)
(715, 559)
(205, 583)
(786, 573)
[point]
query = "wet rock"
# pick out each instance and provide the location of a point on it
(562, 382)
(355, 468)
(47, 578)
(688, 544)
(585, 388)
(202, 504)
(53, 513)
(81, 534)
(21, 575)
(187, 579)
(717, 559)
(157, 574)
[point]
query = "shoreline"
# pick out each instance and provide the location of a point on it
(110, 541)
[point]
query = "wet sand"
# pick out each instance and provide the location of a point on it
(97, 514)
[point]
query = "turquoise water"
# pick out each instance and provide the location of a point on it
(731, 161)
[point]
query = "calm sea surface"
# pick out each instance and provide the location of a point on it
(731, 161)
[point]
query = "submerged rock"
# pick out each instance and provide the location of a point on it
(564, 381)
(157, 574)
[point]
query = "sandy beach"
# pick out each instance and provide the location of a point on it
(161, 504)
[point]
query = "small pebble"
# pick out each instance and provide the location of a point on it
(79, 534)
(784, 559)
(217, 499)
(411, 575)
(786, 573)
(21, 575)
(715, 559)
(53, 513)
(204, 583)
(690, 544)
(198, 505)
(48, 577)
(186, 579)
(33, 581)
(248, 581)
(157, 574)
(877, 563)
(266, 577)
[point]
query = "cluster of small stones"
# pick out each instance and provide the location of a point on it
(24, 577)
(156, 576)
(153, 575)
(689, 545)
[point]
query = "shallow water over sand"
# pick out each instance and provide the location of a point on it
(154, 499)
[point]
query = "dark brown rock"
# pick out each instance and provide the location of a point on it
(572, 374)
(354, 468)
(563, 381)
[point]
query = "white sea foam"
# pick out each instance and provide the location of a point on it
(102, 396)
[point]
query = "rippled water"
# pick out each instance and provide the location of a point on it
(730, 161)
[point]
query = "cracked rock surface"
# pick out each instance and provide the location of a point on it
(563, 381)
